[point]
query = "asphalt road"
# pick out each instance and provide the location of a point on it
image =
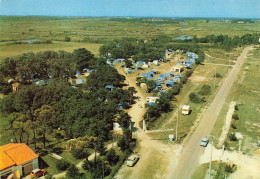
(189, 159)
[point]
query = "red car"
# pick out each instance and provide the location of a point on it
(38, 172)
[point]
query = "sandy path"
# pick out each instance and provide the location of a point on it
(191, 153)
(228, 121)
(151, 152)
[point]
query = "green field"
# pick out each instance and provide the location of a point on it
(90, 33)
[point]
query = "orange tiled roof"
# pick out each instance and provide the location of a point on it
(15, 84)
(15, 154)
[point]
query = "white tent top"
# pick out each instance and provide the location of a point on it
(186, 107)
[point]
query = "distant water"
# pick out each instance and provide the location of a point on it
(183, 37)
(27, 41)
(195, 29)
(182, 29)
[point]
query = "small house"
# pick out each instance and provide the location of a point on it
(185, 109)
(151, 99)
(177, 69)
(156, 62)
(17, 160)
(15, 86)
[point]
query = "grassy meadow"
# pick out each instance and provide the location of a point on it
(91, 33)
(245, 92)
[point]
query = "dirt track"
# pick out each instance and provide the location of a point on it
(189, 159)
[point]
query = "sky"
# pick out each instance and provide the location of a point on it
(137, 8)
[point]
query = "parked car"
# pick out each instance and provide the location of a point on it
(204, 142)
(38, 172)
(131, 161)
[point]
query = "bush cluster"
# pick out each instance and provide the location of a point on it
(62, 164)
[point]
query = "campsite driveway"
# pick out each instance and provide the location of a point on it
(189, 159)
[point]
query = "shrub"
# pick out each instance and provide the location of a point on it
(78, 153)
(236, 107)
(194, 98)
(232, 137)
(235, 116)
(229, 168)
(218, 75)
(233, 125)
(62, 164)
(205, 90)
(111, 157)
(67, 39)
(72, 171)
(226, 144)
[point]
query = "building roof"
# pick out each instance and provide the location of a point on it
(15, 84)
(186, 107)
(15, 154)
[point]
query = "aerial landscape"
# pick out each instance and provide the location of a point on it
(130, 89)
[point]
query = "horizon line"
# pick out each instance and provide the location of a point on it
(177, 17)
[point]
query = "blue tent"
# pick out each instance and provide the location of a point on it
(110, 63)
(79, 81)
(35, 80)
(77, 72)
(109, 87)
(129, 71)
(192, 60)
(140, 63)
(152, 72)
(176, 80)
(161, 78)
(138, 67)
(145, 74)
(149, 77)
(178, 76)
(169, 74)
(169, 84)
(162, 92)
(159, 84)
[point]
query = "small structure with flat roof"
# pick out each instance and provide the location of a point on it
(185, 109)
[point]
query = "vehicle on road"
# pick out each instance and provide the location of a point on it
(204, 142)
(38, 172)
(131, 161)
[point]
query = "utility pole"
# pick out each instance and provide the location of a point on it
(215, 78)
(229, 57)
(177, 124)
